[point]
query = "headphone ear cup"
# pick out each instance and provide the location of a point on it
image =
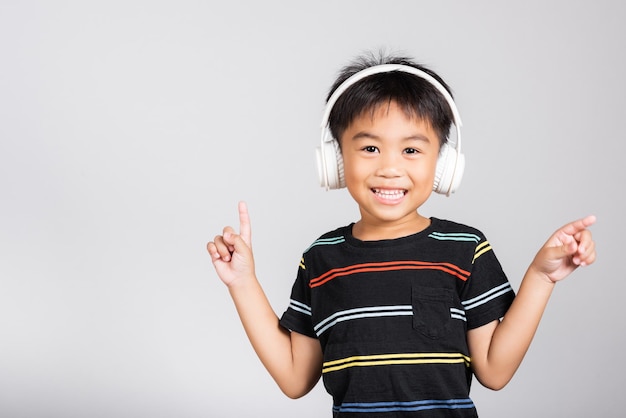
(330, 165)
(450, 167)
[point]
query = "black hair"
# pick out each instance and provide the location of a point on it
(418, 97)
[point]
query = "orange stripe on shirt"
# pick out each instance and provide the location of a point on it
(389, 266)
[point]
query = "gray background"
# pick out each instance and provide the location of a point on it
(129, 131)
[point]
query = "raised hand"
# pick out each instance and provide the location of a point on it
(231, 253)
(568, 248)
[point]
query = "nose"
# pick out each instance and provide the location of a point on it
(389, 166)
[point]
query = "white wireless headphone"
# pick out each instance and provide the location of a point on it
(450, 164)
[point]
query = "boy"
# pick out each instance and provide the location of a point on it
(396, 311)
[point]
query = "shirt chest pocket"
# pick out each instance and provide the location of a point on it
(431, 310)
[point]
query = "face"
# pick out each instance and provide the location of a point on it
(389, 166)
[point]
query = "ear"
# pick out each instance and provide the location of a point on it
(330, 165)
(449, 172)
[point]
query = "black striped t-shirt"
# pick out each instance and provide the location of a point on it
(392, 316)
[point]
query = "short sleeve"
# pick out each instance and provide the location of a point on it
(297, 317)
(487, 294)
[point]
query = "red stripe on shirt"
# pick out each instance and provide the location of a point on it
(388, 266)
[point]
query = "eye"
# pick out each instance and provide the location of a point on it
(411, 151)
(370, 149)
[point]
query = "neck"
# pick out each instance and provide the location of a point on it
(375, 231)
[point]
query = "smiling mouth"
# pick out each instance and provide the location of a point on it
(388, 194)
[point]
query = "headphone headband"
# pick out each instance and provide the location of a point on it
(387, 68)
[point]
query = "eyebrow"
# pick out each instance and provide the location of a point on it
(366, 135)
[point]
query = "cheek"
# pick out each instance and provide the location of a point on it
(425, 172)
(350, 168)
(351, 172)
(356, 174)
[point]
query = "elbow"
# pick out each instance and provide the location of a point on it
(294, 395)
(494, 383)
(294, 392)
(295, 389)
(297, 384)
(493, 377)
(494, 387)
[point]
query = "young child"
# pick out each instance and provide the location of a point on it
(396, 311)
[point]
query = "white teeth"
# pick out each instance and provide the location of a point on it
(389, 194)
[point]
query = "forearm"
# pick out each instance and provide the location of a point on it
(497, 349)
(513, 335)
(271, 342)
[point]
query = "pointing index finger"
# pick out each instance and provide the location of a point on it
(244, 223)
(579, 225)
(571, 231)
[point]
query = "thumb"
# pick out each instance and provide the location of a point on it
(237, 243)
(567, 248)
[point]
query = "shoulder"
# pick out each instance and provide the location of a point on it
(446, 228)
(342, 231)
(336, 236)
